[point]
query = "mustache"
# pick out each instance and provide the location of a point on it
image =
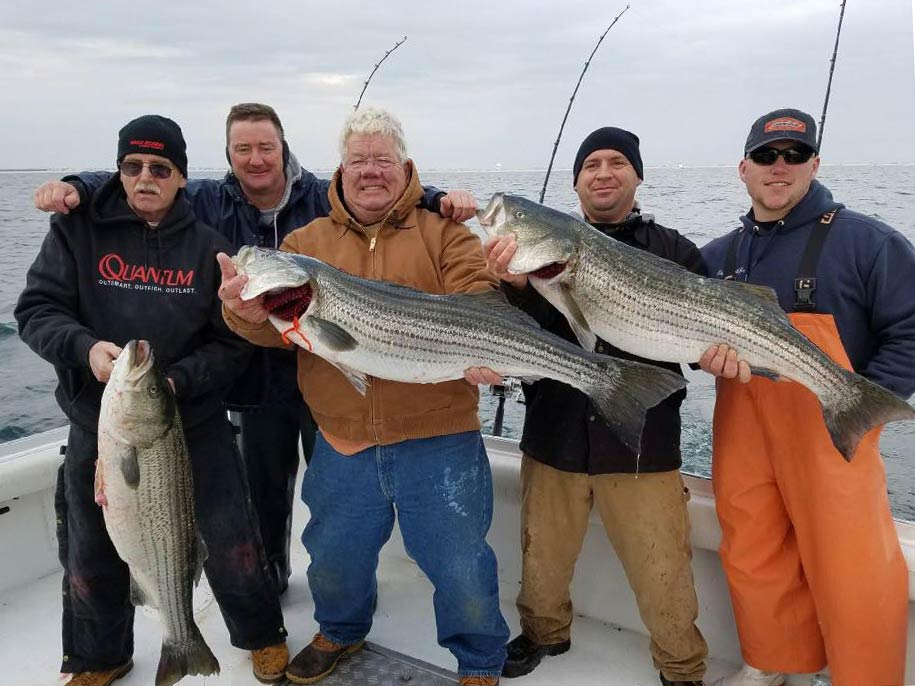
(147, 187)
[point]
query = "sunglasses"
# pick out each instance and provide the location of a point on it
(768, 156)
(134, 168)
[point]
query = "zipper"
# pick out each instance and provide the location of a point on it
(372, 243)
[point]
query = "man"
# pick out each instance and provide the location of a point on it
(138, 264)
(809, 547)
(264, 197)
(400, 444)
(573, 460)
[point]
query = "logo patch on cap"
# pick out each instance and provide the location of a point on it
(785, 124)
(155, 145)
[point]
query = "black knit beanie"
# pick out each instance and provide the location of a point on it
(609, 138)
(154, 135)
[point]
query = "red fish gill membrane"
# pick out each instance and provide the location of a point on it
(549, 271)
(290, 303)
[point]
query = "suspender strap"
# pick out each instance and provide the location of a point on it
(805, 284)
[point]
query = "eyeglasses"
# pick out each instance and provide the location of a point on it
(768, 156)
(361, 164)
(134, 168)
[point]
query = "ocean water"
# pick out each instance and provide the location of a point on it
(702, 203)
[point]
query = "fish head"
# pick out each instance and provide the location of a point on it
(546, 238)
(287, 279)
(142, 404)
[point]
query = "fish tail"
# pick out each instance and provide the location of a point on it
(192, 656)
(869, 406)
(623, 391)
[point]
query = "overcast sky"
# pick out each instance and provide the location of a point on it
(479, 83)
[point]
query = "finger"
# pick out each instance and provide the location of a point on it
(226, 266)
(231, 289)
(706, 360)
(71, 199)
(745, 371)
(505, 258)
(446, 207)
(716, 366)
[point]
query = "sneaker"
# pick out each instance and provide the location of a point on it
(479, 681)
(667, 682)
(269, 664)
(750, 676)
(318, 659)
(524, 655)
(105, 678)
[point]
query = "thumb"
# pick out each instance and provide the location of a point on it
(71, 199)
(226, 266)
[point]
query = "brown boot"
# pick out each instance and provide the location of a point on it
(105, 678)
(479, 681)
(269, 664)
(318, 659)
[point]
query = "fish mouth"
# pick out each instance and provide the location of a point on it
(137, 358)
(289, 303)
(549, 271)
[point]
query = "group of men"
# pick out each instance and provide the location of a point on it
(814, 580)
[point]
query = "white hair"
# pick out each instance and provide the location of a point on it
(373, 121)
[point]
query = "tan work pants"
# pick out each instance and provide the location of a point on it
(647, 524)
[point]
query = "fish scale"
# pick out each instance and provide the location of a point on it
(656, 309)
(401, 334)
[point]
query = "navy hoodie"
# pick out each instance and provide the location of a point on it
(105, 275)
(865, 280)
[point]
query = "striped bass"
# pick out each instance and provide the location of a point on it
(658, 310)
(373, 328)
(143, 483)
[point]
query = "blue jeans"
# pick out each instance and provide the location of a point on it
(441, 488)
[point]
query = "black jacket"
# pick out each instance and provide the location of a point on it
(105, 275)
(562, 428)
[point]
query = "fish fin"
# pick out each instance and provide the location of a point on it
(623, 391)
(138, 596)
(192, 656)
(586, 337)
(561, 297)
(872, 406)
(200, 556)
(496, 303)
(763, 293)
(765, 373)
(358, 379)
(333, 335)
(130, 468)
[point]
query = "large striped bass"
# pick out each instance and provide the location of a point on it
(143, 483)
(373, 328)
(658, 310)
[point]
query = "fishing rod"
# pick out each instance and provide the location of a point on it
(377, 64)
(572, 99)
(832, 68)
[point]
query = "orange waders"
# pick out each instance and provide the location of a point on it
(811, 554)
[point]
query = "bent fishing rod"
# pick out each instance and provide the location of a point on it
(572, 99)
(832, 68)
(377, 64)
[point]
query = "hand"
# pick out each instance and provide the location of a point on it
(482, 375)
(56, 196)
(101, 359)
(499, 251)
(458, 206)
(721, 360)
(230, 291)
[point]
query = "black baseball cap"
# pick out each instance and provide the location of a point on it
(780, 125)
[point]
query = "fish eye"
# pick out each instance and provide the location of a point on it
(519, 214)
(153, 391)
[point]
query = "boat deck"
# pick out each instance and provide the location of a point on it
(601, 654)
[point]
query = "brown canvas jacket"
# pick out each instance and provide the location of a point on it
(414, 247)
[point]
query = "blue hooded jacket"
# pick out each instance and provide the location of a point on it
(865, 280)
